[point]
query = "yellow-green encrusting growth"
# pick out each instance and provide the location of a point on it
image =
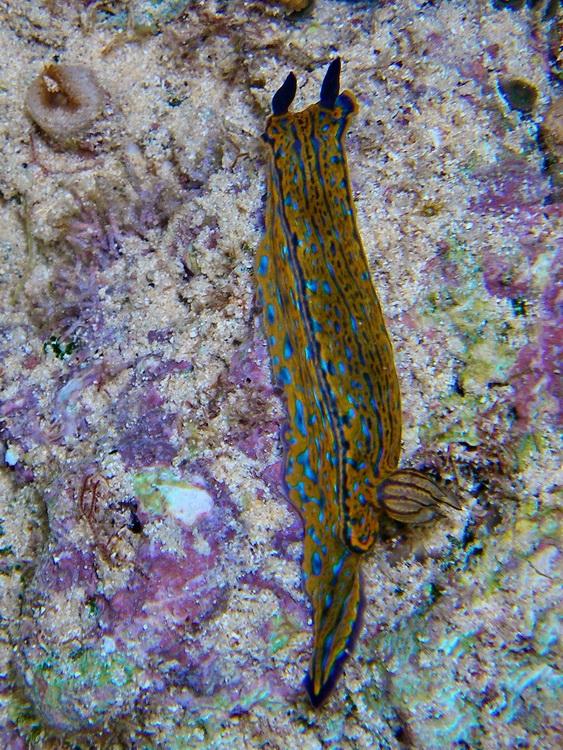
(331, 354)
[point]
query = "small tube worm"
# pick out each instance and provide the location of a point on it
(64, 101)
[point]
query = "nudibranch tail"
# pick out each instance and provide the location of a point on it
(411, 497)
(337, 606)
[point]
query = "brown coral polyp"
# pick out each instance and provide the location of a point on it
(64, 100)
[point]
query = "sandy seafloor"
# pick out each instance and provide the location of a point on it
(150, 590)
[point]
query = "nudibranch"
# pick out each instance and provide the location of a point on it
(332, 356)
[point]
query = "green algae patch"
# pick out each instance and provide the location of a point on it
(419, 687)
(164, 491)
(65, 686)
(148, 16)
(485, 326)
(283, 630)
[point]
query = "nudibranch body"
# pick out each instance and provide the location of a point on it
(331, 354)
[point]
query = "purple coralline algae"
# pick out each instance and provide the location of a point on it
(136, 580)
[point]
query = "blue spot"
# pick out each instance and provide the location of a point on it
(341, 368)
(287, 348)
(354, 324)
(326, 287)
(328, 600)
(365, 276)
(263, 267)
(331, 458)
(316, 564)
(285, 376)
(365, 428)
(300, 488)
(317, 327)
(285, 251)
(270, 314)
(314, 536)
(330, 268)
(303, 459)
(312, 286)
(275, 360)
(348, 352)
(337, 567)
(311, 475)
(327, 646)
(362, 499)
(307, 352)
(300, 417)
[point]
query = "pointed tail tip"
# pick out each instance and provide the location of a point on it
(317, 698)
(337, 626)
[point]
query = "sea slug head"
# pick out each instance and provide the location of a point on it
(333, 108)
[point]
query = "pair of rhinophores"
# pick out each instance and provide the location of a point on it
(331, 354)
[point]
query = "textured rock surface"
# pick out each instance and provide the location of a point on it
(149, 565)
